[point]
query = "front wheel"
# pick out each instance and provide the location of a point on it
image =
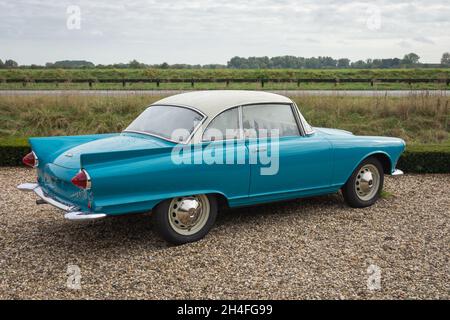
(364, 186)
(185, 219)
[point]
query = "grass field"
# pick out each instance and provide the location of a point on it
(417, 119)
(66, 76)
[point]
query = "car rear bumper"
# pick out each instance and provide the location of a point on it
(397, 172)
(72, 212)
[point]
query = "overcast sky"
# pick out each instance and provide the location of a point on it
(201, 31)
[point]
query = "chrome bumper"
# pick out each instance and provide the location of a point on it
(397, 172)
(71, 211)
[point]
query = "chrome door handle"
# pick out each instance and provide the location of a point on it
(260, 149)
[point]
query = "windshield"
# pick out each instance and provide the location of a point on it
(169, 122)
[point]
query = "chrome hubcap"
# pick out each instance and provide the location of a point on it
(187, 215)
(188, 211)
(367, 182)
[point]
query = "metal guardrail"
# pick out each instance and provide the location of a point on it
(227, 81)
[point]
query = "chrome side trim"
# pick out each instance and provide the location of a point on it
(71, 214)
(397, 172)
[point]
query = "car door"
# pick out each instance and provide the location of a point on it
(225, 155)
(294, 164)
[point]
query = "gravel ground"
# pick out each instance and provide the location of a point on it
(310, 248)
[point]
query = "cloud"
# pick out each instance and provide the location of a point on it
(97, 33)
(404, 44)
(425, 40)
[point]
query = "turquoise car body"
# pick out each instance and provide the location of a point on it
(133, 172)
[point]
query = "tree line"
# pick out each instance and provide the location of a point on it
(410, 60)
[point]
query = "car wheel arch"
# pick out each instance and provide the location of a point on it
(381, 156)
(221, 199)
(385, 161)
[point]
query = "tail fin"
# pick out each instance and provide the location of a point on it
(48, 148)
(91, 159)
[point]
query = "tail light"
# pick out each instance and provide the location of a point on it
(31, 160)
(82, 180)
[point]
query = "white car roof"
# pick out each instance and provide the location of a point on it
(213, 102)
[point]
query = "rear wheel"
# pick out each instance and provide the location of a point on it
(185, 219)
(364, 186)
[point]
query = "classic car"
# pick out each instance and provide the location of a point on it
(143, 170)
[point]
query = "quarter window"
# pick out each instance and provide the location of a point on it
(259, 118)
(224, 127)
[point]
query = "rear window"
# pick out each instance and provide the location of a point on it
(169, 122)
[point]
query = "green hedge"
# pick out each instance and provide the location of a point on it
(12, 151)
(425, 159)
(416, 159)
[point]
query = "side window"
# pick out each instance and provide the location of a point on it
(224, 127)
(269, 117)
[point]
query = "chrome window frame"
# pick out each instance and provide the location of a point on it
(188, 140)
(294, 109)
(299, 115)
(301, 131)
